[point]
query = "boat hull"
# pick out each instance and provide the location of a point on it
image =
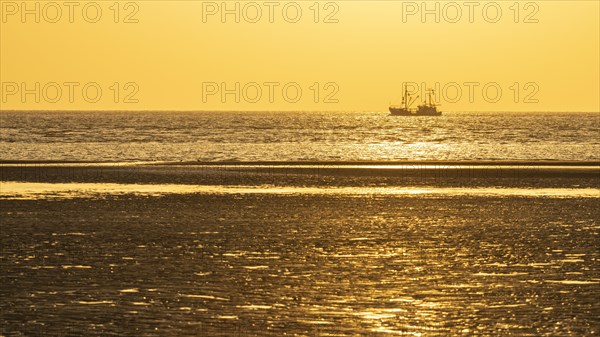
(404, 112)
(400, 112)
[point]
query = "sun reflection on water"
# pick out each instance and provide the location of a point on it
(29, 190)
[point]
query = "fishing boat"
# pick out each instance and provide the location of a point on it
(427, 108)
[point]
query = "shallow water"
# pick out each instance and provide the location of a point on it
(42, 191)
(300, 265)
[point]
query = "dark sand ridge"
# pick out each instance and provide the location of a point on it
(395, 173)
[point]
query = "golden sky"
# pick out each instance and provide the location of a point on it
(182, 55)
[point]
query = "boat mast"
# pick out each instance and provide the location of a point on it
(430, 92)
(405, 98)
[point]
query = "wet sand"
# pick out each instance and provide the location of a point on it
(243, 264)
(223, 265)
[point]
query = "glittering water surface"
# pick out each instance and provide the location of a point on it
(300, 265)
(118, 136)
(23, 190)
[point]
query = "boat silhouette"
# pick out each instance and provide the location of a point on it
(427, 108)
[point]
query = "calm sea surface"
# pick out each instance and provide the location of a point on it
(212, 136)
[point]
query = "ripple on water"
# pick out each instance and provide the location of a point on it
(207, 297)
(111, 303)
(572, 282)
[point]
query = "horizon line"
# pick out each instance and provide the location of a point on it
(251, 111)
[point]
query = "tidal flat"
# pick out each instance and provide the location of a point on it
(210, 264)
